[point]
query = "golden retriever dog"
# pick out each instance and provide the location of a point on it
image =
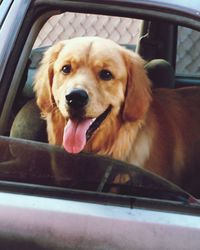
(96, 97)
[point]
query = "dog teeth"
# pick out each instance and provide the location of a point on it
(93, 120)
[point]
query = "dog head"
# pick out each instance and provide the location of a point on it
(87, 80)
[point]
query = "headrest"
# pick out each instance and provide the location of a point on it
(160, 73)
(35, 58)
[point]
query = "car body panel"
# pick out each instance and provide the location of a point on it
(5, 5)
(9, 31)
(32, 222)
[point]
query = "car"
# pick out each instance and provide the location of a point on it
(54, 200)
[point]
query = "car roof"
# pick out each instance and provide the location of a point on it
(186, 13)
(186, 5)
(188, 8)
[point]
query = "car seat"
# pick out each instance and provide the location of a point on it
(160, 73)
(28, 124)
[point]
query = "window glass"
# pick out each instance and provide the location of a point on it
(121, 30)
(188, 52)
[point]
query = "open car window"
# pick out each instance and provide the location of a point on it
(125, 31)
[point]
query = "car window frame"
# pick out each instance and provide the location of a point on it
(49, 223)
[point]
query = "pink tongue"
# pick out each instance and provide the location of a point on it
(74, 138)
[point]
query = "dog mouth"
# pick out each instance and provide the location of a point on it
(78, 132)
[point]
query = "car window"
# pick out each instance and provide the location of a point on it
(4, 7)
(188, 52)
(120, 29)
(50, 166)
(125, 31)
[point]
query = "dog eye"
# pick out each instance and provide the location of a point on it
(105, 75)
(67, 69)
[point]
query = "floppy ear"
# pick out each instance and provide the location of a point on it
(138, 88)
(44, 78)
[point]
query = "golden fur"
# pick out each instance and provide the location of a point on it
(154, 129)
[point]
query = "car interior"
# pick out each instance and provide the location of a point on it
(157, 45)
(159, 66)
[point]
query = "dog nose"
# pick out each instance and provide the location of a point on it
(77, 98)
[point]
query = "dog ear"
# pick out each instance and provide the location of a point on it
(138, 88)
(44, 78)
